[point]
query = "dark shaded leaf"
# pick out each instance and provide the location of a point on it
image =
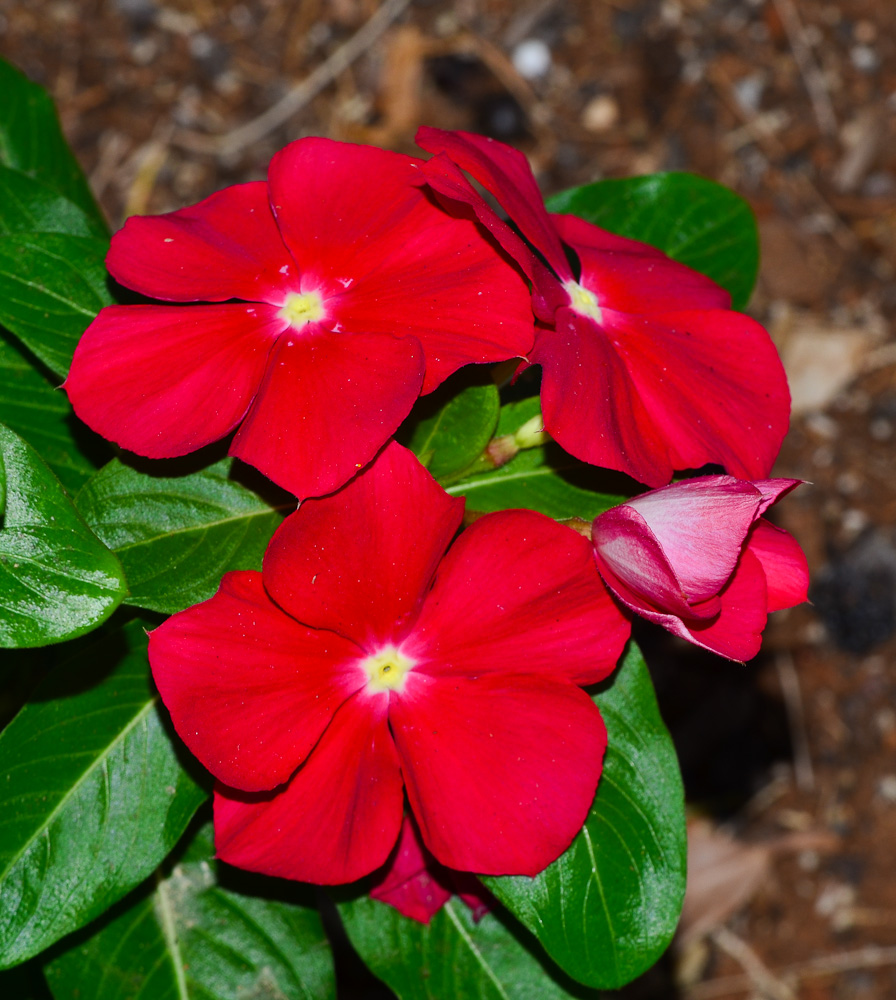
(28, 205)
(57, 579)
(42, 415)
(94, 795)
(449, 428)
(186, 937)
(32, 142)
(52, 285)
(177, 536)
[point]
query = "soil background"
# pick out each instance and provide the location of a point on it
(790, 761)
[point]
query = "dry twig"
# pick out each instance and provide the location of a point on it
(811, 73)
(796, 716)
(297, 97)
(758, 973)
(870, 957)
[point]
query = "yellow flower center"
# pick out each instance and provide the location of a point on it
(386, 670)
(583, 301)
(301, 308)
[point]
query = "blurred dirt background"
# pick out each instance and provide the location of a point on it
(790, 762)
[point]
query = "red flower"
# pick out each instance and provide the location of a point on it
(363, 660)
(357, 295)
(645, 367)
(697, 558)
(418, 886)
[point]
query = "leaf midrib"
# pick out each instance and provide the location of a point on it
(539, 470)
(148, 540)
(97, 761)
(477, 954)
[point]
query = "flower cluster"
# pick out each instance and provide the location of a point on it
(387, 695)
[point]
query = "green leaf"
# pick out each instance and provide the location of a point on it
(453, 956)
(187, 937)
(545, 478)
(42, 415)
(28, 205)
(94, 794)
(696, 221)
(32, 141)
(607, 909)
(175, 537)
(449, 428)
(57, 579)
(52, 285)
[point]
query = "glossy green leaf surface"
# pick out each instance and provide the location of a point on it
(449, 428)
(452, 955)
(52, 285)
(93, 797)
(57, 579)
(28, 205)
(187, 937)
(41, 414)
(32, 142)
(177, 536)
(545, 478)
(607, 909)
(698, 222)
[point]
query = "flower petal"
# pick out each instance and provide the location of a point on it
(227, 246)
(736, 632)
(336, 820)
(634, 565)
(409, 880)
(783, 562)
(519, 593)
(712, 383)
(250, 690)
(701, 525)
(772, 490)
(444, 177)
(387, 260)
(505, 172)
(166, 380)
(359, 562)
(327, 404)
(500, 770)
(634, 277)
(590, 404)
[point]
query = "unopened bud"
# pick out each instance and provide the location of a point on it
(531, 434)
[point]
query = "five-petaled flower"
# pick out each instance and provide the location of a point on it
(365, 661)
(645, 367)
(698, 558)
(356, 293)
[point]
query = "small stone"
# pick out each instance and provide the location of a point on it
(854, 522)
(886, 788)
(601, 113)
(748, 92)
(532, 58)
(885, 720)
(822, 426)
(864, 58)
(849, 483)
(881, 429)
(809, 860)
